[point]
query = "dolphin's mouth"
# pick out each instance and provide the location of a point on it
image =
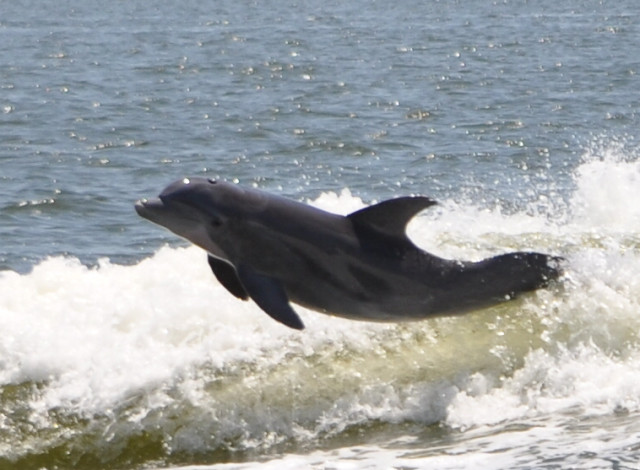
(166, 212)
(180, 218)
(147, 207)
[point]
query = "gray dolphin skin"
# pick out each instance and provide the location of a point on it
(361, 266)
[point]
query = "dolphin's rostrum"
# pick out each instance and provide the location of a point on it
(360, 266)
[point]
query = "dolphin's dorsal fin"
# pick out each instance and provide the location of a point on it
(389, 218)
(227, 276)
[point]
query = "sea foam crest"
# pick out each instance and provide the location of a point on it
(607, 190)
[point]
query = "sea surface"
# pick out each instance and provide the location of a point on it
(118, 348)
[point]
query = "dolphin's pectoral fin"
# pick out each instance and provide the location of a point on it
(226, 274)
(270, 296)
(389, 217)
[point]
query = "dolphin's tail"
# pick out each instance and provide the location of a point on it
(505, 276)
(524, 271)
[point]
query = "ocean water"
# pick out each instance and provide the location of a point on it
(119, 350)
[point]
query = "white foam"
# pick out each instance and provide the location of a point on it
(584, 380)
(607, 195)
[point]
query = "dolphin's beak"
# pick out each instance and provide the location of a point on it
(173, 215)
(147, 208)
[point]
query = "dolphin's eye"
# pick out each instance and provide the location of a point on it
(215, 222)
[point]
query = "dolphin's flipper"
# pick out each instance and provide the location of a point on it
(226, 275)
(390, 217)
(270, 296)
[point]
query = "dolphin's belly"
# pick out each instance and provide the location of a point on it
(381, 291)
(360, 291)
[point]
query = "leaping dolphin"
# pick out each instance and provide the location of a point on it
(360, 266)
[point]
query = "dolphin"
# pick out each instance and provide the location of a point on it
(362, 266)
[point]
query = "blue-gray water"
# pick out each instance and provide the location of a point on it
(520, 117)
